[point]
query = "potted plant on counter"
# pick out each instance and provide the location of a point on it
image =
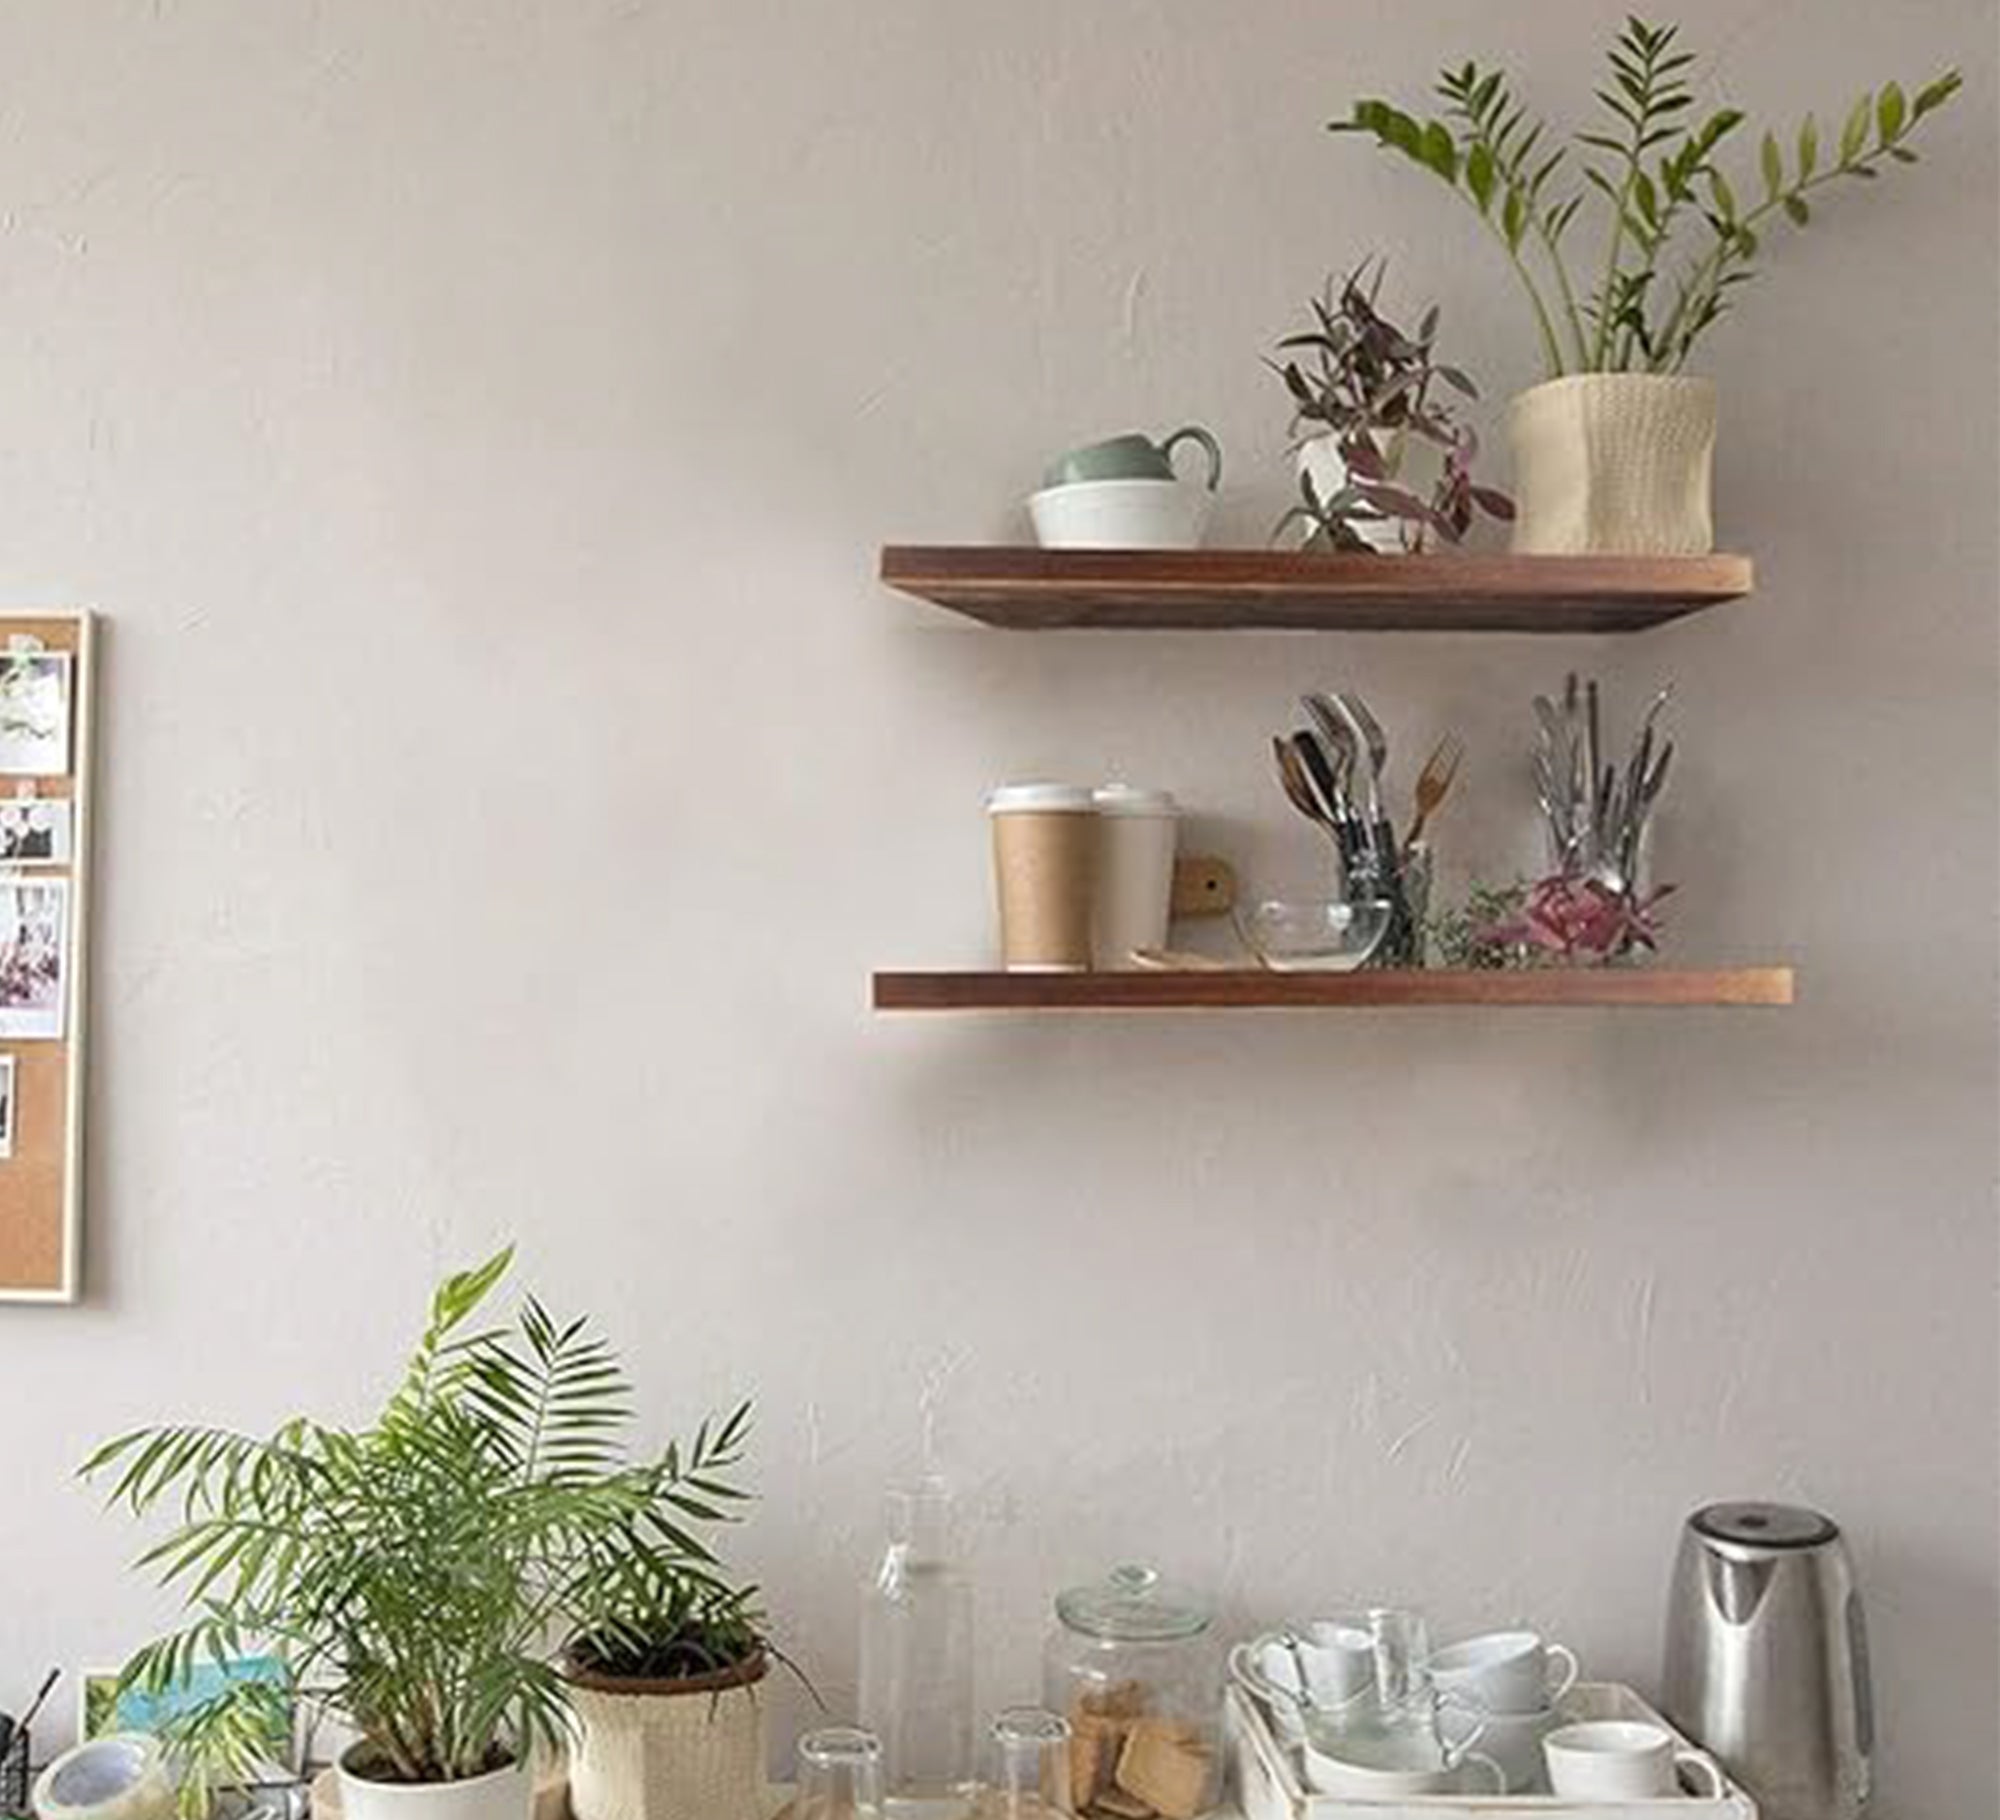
(1614, 452)
(665, 1667)
(409, 1573)
(1384, 461)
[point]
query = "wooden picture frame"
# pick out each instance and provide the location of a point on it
(41, 1176)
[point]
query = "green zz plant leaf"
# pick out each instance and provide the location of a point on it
(1676, 242)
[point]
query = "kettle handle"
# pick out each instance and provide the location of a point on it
(1857, 1668)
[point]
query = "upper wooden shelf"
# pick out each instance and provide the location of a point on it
(1035, 590)
(1259, 990)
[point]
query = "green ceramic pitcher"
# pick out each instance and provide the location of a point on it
(1133, 457)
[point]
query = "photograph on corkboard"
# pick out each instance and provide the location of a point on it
(34, 958)
(34, 713)
(36, 831)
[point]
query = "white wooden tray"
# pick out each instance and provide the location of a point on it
(1265, 1780)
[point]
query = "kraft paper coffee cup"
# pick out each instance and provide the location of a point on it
(1044, 871)
(1136, 832)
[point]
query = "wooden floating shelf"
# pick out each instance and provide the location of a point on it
(1261, 990)
(1033, 590)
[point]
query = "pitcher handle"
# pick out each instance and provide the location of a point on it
(1195, 433)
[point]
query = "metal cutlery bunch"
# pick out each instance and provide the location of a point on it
(1332, 772)
(1596, 810)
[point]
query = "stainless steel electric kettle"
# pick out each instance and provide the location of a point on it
(1767, 1658)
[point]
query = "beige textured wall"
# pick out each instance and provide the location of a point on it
(478, 422)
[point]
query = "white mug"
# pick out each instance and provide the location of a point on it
(1324, 1666)
(1505, 1671)
(1339, 1661)
(1625, 1760)
(1121, 515)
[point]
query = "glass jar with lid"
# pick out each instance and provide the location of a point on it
(1133, 1666)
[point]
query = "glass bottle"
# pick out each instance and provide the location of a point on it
(916, 1660)
(840, 1775)
(1031, 1765)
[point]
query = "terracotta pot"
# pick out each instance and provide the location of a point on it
(1614, 464)
(692, 1749)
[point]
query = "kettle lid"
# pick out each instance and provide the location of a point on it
(1755, 1525)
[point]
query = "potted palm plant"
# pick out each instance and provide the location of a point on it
(409, 1573)
(1614, 451)
(667, 1660)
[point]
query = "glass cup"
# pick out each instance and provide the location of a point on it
(840, 1775)
(1031, 1761)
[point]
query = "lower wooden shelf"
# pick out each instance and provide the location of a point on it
(1259, 990)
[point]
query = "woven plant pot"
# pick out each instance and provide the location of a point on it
(1614, 464)
(668, 1750)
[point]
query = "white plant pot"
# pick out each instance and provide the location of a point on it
(1614, 464)
(669, 1750)
(501, 1794)
(1418, 472)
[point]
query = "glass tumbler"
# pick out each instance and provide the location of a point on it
(840, 1775)
(1031, 1765)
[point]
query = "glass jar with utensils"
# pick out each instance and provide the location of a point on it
(1514, 1680)
(1332, 772)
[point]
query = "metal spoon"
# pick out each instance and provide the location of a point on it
(1299, 786)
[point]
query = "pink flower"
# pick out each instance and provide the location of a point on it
(1580, 919)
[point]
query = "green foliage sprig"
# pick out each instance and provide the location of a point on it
(1678, 240)
(416, 1574)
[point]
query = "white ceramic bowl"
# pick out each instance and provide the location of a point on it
(1121, 515)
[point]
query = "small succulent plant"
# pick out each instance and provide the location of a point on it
(1378, 396)
(1558, 922)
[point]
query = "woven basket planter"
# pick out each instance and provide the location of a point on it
(669, 1750)
(1614, 464)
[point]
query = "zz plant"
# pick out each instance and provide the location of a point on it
(415, 1574)
(1679, 236)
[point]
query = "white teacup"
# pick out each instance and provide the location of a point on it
(1339, 1661)
(1121, 515)
(1625, 1760)
(1427, 1772)
(1505, 1671)
(1325, 1665)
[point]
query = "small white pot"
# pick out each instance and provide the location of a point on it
(1418, 470)
(501, 1794)
(669, 1750)
(1614, 464)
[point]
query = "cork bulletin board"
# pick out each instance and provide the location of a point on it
(46, 665)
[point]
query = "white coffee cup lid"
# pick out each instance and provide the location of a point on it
(1128, 799)
(1045, 799)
